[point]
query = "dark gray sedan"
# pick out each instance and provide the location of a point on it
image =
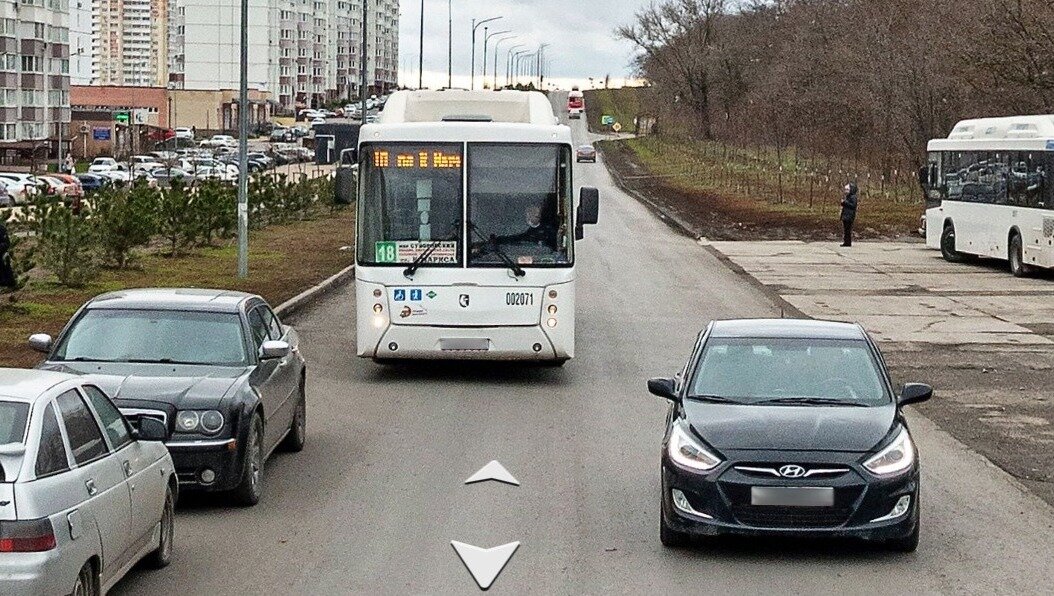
(218, 368)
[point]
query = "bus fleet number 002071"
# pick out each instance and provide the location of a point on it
(519, 299)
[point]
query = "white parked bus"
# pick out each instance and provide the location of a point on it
(989, 192)
(467, 226)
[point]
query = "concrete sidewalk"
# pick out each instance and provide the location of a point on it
(903, 292)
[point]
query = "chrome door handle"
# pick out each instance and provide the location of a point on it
(127, 469)
(90, 485)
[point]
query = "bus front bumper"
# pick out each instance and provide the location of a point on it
(529, 343)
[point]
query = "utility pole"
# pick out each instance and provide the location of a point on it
(449, 44)
(421, 50)
(362, 61)
(243, 147)
(541, 65)
(475, 25)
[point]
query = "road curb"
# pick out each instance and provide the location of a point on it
(309, 297)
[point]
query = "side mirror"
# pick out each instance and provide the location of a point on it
(349, 157)
(663, 387)
(271, 350)
(151, 429)
(41, 342)
(924, 175)
(914, 393)
(588, 206)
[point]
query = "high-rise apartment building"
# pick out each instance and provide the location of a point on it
(80, 42)
(34, 72)
(130, 42)
(304, 52)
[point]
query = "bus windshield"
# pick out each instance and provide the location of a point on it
(411, 204)
(519, 205)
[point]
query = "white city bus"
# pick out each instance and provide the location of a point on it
(467, 226)
(989, 192)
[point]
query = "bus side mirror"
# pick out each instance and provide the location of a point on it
(349, 157)
(924, 176)
(588, 210)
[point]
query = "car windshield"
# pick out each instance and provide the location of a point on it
(162, 336)
(519, 205)
(793, 371)
(412, 202)
(13, 417)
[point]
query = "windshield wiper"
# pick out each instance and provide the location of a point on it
(86, 359)
(717, 399)
(421, 258)
(506, 259)
(160, 361)
(813, 401)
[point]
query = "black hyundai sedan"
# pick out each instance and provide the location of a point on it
(788, 427)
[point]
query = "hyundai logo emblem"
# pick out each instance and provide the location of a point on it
(792, 471)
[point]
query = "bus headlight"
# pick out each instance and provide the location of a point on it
(378, 308)
(551, 323)
(552, 309)
(379, 321)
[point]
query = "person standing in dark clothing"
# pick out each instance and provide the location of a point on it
(849, 202)
(7, 275)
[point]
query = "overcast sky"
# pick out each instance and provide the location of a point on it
(580, 34)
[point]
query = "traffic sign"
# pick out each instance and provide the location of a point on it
(122, 116)
(607, 119)
(616, 127)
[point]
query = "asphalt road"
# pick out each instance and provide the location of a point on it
(371, 505)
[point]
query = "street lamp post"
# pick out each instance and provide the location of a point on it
(449, 44)
(475, 26)
(243, 146)
(486, 40)
(494, 71)
(508, 61)
(421, 52)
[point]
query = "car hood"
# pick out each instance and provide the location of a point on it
(790, 428)
(183, 386)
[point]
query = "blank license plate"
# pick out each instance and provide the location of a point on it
(464, 344)
(797, 496)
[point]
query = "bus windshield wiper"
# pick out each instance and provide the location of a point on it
(506, 259)
(813, 401)
(421, 258)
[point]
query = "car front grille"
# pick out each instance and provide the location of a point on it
(791, 517)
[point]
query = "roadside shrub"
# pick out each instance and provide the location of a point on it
(216, 207)
(124, 219)
(66, 241)
(178, 223)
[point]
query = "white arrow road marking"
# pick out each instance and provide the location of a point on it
(484, 563)
(493, 471)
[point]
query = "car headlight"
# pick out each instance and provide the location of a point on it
(205, 422)
(686, 451)
(895, 458)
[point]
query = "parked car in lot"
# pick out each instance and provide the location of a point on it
(83, 496)
(92, 182)
(184, 133)
(218, 141)
(216, 367)
(21, 187)
(6, 198)
(586, 153)
(789, 428)
(165, 176)
(101, 165)
(281, 134)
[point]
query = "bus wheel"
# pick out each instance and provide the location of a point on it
(948, 245)
(1017, 260)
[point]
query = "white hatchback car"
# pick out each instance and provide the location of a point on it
(83, 497)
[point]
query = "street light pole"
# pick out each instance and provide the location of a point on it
(362, 61)
(494, 71)
(243, 147)
(421, 51)
(486, 40)
(475, 25)
(449, 44)
(508, 61)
